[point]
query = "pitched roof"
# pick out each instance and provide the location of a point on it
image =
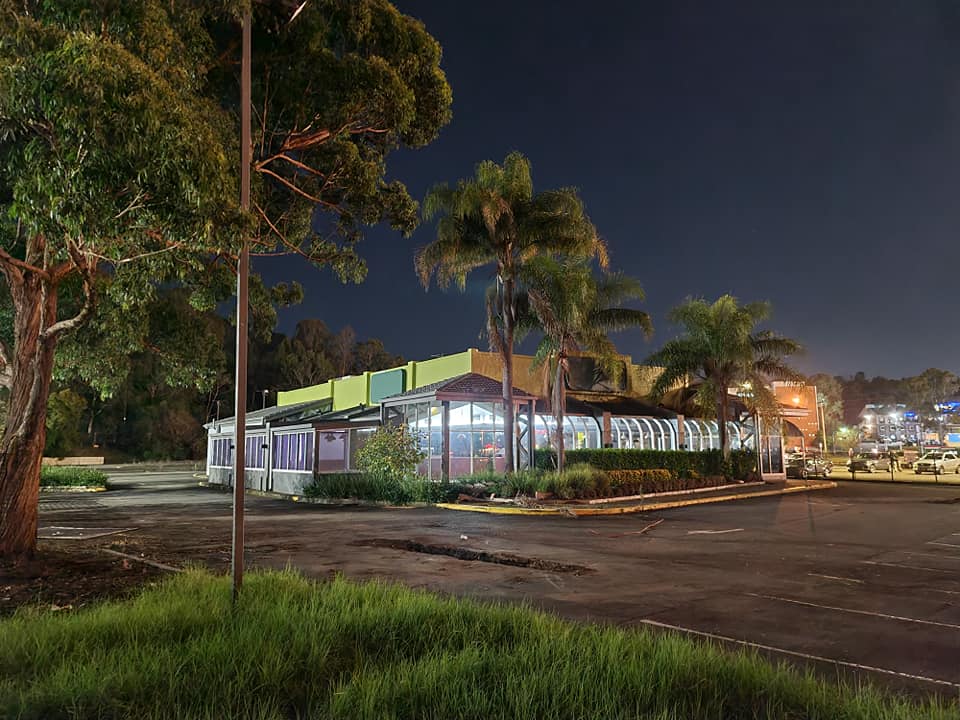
(472, 384)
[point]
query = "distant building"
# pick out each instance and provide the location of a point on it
(889, 422)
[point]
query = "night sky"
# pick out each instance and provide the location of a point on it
(802, 152)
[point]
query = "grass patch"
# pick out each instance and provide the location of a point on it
(66, 476)
(293, 648)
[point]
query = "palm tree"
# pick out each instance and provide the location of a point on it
(576, 311)
(722, 349)
(495, 219)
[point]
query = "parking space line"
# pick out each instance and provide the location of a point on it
(908, 567)
(943, 544)
(795, 653)
(900, 618)
(933, 555)
(835, 577)
(713, 532)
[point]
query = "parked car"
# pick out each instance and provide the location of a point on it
(868, 462)
(797, 467)
(939, 461)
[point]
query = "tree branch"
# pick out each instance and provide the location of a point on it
(297, 190)
(8, 260)
(89, 298)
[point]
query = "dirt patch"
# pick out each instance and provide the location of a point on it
(476, 555)
(67, 576)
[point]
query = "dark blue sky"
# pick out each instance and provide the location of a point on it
(803, 152)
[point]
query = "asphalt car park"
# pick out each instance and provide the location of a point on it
(862, 580)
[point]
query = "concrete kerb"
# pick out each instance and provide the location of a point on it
(638, 508)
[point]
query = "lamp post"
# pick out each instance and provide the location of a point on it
(263, 404)
(243, 278)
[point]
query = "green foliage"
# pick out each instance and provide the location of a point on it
(391, 453)
(495, 219)
(721, 348)
(576, 310)
(64, 413)
(381, 650)
(374, 488)
(638, 482)
(521, 482)
(67, 476)
(679, 463)
(576, 481)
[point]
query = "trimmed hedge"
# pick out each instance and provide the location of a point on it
(680, 463)
(67, 476)
(364, 486)
(647, 481)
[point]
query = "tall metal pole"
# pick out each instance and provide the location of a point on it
(243, 272)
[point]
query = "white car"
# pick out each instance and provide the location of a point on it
(939, 461)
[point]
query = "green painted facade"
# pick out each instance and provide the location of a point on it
(313, 392)
(386, 383)
(370, 388)
(428, 372)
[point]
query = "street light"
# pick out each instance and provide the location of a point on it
(264, 393)
(243, 280)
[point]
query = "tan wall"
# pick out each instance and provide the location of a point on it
(533, 382)
(73, 461)
(537, 382)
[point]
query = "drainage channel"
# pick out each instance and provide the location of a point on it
(476, 555)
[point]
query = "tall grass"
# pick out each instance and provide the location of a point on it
(293, 648)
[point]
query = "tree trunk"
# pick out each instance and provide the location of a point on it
(559, 407)
(722, 422)
(509, 429)
(25, 433)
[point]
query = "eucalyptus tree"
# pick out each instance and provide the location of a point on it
(576, 311)
(496, 219)
(721, 348)
(119, 159)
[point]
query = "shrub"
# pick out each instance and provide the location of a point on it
(390, 452)
(522, 482)
(398, 491)
(637, 482)
(64, 476)
(576, 482)
(680, 463)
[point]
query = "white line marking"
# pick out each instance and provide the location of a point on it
(714, 532)
(946, 592)
(933, 555)
(908, 567)
(794, 653)
(901, 618)
(944, 544)
(835, 577)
